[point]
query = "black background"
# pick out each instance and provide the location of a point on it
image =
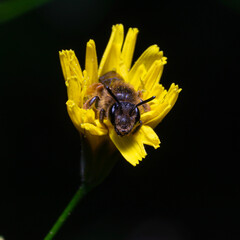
(186, 189)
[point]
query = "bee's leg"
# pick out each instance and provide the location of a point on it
(94, 99)
(137, 127)
(90, 102)
(101, 115)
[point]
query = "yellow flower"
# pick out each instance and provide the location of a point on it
(144, 76)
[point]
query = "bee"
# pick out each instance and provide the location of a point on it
(118, 101)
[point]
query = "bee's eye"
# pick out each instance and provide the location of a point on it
(135, 112)
(112, 111)
(137, 115)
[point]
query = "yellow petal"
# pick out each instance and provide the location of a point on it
(70, 65)
(129, 46)
(136, 79)
(74, 90)
(161, 107)
(132, 146)
(72, 74)
(84, 120)
(154, 117)
(75, 114)
(151, 79)
(129, 147)
(157, 91)
(127, 52)
(149, 137)
(149, 56)
(111, 57)
(91, 64)
(157, 118)
(172, 94)
(94, 130)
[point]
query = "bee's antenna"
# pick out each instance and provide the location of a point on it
(145, 101)
(111, 93)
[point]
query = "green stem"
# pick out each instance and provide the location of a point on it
(81, 192)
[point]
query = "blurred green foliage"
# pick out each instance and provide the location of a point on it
(11, 9)
(234, 4)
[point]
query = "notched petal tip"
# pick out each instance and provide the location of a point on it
(91, 42)
(163, 105)
(148, 57)
(117, 27)
(70, 65)
(174, 89)
(131, 148)
(132, 32)
(164, 60)
(69, 54)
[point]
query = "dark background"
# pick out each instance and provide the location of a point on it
(186, 189)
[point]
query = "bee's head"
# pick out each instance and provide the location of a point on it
(124, 115)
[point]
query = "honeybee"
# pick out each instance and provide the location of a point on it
(118, 101)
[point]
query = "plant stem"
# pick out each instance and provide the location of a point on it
(81, 192)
